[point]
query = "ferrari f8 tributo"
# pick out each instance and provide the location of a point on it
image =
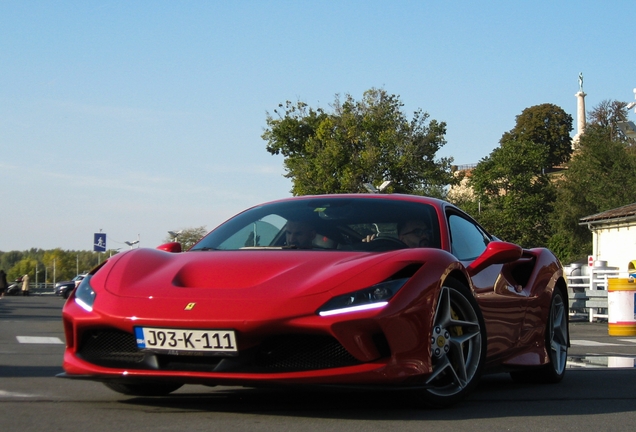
(391, 291)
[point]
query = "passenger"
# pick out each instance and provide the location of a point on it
(414, 233)
(299, 234)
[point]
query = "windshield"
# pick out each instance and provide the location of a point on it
(356, 224)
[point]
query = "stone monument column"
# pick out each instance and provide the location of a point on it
(580, 111)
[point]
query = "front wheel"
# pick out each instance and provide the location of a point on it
(143, 389)
(556, 343)
(458, 346)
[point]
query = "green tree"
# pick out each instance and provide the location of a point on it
(545, 124)
(24, 266)
(53, 264)
(358, 142)
(60, 265)
(9, 259)
(607, 114)
(188, 236)
(514, 193)
(600, 176)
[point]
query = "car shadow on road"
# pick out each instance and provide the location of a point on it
(580, 393)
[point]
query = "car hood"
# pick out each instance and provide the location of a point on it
(246, 274)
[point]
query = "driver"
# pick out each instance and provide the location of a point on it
(299, 234)
(414, 233)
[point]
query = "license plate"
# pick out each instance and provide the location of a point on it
(186, 340)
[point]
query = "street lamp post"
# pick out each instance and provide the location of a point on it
(175, 235)
(132, 243)
(628, 127)
(372, 189)
(632, 104)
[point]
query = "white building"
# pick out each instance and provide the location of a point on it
(614, 236)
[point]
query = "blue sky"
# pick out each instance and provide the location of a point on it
(139, 117)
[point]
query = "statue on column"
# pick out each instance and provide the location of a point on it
(581, 82)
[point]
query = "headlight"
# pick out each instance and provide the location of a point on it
(85, 295)
(374, 297)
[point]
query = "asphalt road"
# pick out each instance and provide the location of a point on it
(592, 396)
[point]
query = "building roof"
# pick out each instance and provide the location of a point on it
(620, 214)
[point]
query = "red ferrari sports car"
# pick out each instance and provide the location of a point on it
(392, 291)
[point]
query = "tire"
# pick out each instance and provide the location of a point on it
(143, 389)
(458, 346)
(556, 344)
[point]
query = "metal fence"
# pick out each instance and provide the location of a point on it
(588, 292)
(39, 289)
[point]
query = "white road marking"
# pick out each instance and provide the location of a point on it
(38, 340)
(628, 340)
(4, 393)
(582, 342)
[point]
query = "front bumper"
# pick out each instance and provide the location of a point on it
(390, 346)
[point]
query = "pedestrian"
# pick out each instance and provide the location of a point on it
(3, 283)
(25, 285)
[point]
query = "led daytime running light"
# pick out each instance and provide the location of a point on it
(353, 309)
(374, 297)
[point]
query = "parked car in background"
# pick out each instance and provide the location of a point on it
(64, 288)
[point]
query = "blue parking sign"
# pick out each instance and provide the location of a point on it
(99, 242)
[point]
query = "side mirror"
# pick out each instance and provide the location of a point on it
(497, 252)
(173, 247)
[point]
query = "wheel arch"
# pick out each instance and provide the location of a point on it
(459, 276)
(460, 317)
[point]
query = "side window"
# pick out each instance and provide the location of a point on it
(468, 241)
(259, 233)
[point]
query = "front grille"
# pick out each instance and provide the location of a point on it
(188, 363)
(114, 348)
(302, 352)
(111, 348)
